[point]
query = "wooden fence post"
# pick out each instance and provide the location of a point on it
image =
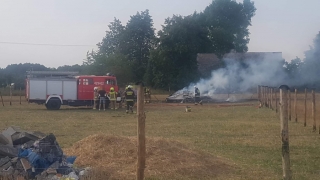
(270, 105)
(295, 105)
(1, 99)
(305, 107)
(267, 97)
(275, 92)
(271, 93)
(258, 92)
(141, 133)
(10, 95)
(285, 132)
(262, 96)
(289, 105)
(262, 102)
(314, 128)
(95, 91)
(20, 96)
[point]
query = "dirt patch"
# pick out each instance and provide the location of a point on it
(118, 156)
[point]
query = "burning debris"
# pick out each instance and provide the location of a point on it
(34, 155)
(184, 96)
(213, 96)
(187, 96)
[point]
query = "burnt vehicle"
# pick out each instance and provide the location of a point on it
(217, 95)
(184, 96)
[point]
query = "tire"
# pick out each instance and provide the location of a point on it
(53, 104)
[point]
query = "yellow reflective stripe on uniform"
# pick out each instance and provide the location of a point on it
(112, 95)
(129, 93)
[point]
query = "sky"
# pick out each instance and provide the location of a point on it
(287, 26)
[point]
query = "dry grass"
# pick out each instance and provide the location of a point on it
(243, 140)
(117, 156)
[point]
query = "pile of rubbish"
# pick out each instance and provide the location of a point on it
(35, 155)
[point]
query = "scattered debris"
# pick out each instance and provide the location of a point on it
(34, 155)
(188, 109)
(183, 96)
(187, 97)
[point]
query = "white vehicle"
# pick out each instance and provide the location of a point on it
(54, 88)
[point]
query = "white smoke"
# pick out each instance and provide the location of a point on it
(242, 75)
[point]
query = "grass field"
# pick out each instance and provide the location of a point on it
(244, 138)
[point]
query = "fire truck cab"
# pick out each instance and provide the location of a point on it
(54, 89)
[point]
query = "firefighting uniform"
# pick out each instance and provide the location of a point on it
(113, 97)
(147, 95)
(129, 95)
(196, 95)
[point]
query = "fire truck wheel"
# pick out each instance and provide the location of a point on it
(53, 104)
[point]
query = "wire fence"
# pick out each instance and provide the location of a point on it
(292, 106)
(301, 104)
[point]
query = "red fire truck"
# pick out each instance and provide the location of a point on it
(54, 88)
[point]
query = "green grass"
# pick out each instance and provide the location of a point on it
(246, 136)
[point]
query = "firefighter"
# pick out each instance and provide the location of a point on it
(124, 94)
(129, 95)
(113, 98)
(197, 96)
(96, 98)
(147, 95)
(102, 97)
(119, 98)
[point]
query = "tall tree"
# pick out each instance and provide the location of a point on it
(293, 67)
(227, 22)
(222, 27)
(174, 61)
(131, 43)
(310, 69)
(140, 38)
(110, 56)
(170, 59)
(113, 42)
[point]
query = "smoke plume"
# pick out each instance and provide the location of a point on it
(243, 75)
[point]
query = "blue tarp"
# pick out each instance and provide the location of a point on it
(34, 159)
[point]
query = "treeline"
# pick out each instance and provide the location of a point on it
(305, 72)
(167, 59)
(16, 73)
